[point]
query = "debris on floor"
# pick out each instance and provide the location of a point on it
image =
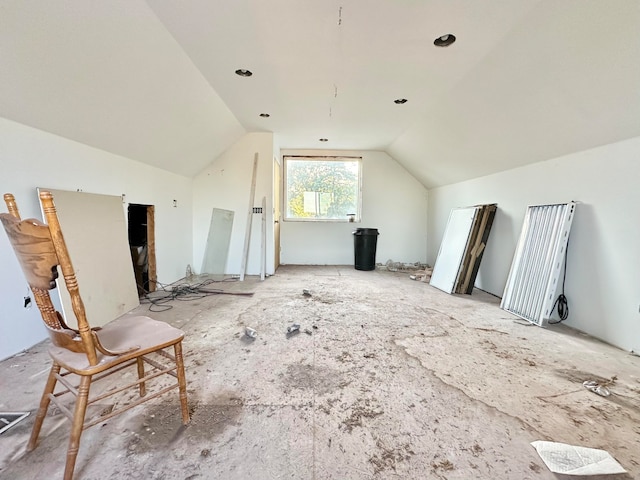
(571, 460)
(293, 328)
(392, 266)
(250, 332)
(10, 419)
(599, 388)
(306, 293)
(422, 275)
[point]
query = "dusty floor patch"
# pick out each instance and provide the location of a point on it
(161, 426)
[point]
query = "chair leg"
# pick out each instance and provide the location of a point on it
(143, 387)
(182, 382)
(77, 427)
(44, 406)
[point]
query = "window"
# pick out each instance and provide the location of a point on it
(322, 188)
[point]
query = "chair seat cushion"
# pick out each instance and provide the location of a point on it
(118, 335)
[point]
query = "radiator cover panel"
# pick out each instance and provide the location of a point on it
(538, 262)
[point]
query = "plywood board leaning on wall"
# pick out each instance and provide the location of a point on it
(475, 247)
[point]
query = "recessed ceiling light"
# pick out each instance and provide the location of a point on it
(265, 115)
(243, 72)
(444, 40)
(400, 101)
(324, 139)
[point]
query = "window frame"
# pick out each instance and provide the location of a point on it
(320, 158)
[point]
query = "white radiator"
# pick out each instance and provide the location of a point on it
(538, 262)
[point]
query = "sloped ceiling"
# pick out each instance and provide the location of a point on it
(108, 74)
(526, 81)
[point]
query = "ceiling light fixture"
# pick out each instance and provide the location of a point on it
(265, 115)
(324, 139)
(243, 72)
(400, 101)
(444, 40)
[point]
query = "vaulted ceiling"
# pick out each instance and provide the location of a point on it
(526, 80)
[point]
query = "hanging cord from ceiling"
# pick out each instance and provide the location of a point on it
(561, 303)
(159, 302)
(338, 63)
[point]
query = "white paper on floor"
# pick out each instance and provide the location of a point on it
(570, 460)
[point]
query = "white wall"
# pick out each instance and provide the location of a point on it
(226, 184)
(393, 201)
(603, 274)
(31, 158)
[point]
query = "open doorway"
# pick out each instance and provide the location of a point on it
(142, 243)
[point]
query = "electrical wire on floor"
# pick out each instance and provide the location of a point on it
(561, 303)
(185, 292)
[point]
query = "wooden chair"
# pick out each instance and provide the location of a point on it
(91, 354)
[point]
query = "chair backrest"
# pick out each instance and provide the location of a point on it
(40, 249)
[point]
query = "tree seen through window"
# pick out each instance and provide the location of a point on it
(322, 188)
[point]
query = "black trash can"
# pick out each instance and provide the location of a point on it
(364, 244)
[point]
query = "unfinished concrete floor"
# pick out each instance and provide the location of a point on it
(396, 380)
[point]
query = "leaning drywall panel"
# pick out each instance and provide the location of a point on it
(95, 231)
(217, 247)
(452, 248)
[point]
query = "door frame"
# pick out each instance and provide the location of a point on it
(277, 217)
